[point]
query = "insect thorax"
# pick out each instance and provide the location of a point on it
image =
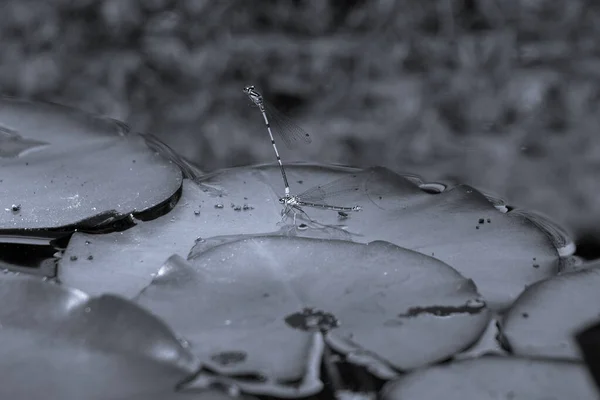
(289, 200)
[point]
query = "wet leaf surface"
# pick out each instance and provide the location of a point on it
(495, 377)
(64, 168)
(125, 262)
(545, 318)
(389, 307)
(234, 321)
(62, 186)
(59, 343)
(502, 253)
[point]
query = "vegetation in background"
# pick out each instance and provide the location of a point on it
(500, 94)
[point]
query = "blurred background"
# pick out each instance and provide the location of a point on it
(503, 95)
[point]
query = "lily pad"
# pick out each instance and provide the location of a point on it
(59, 343)
(494, 377)
(63, 169)
(545, 318)
(125, 262)
(204, 394)
(99, 180)
(235, 327)
(388, 307)
(50, 124)
(501, 252)
(588, 340)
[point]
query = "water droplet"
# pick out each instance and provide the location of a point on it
(87, 309)
(15, 207)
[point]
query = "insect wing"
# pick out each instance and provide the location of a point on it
(343, 186)
(290, 133)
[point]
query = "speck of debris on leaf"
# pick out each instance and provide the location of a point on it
(489, 220)
(301, 182)
(481, 220)
(15, 207)
(246, 207)
(90, 257)
(229, 357)
(237, 208)
(87, 242)
(477, 227)
(310, 319)
(525, 315)
(73, 258)
(302, 227)
(536, 265)
(197, 212)
(218, 205)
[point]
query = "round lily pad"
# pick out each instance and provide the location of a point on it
(59, 343)
(387, 307)
(545, 318)
(61, 167)
(98, 180)
(501, 252)
(495, 377)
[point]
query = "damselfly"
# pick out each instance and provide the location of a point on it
(315, 196)
(289, 132)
